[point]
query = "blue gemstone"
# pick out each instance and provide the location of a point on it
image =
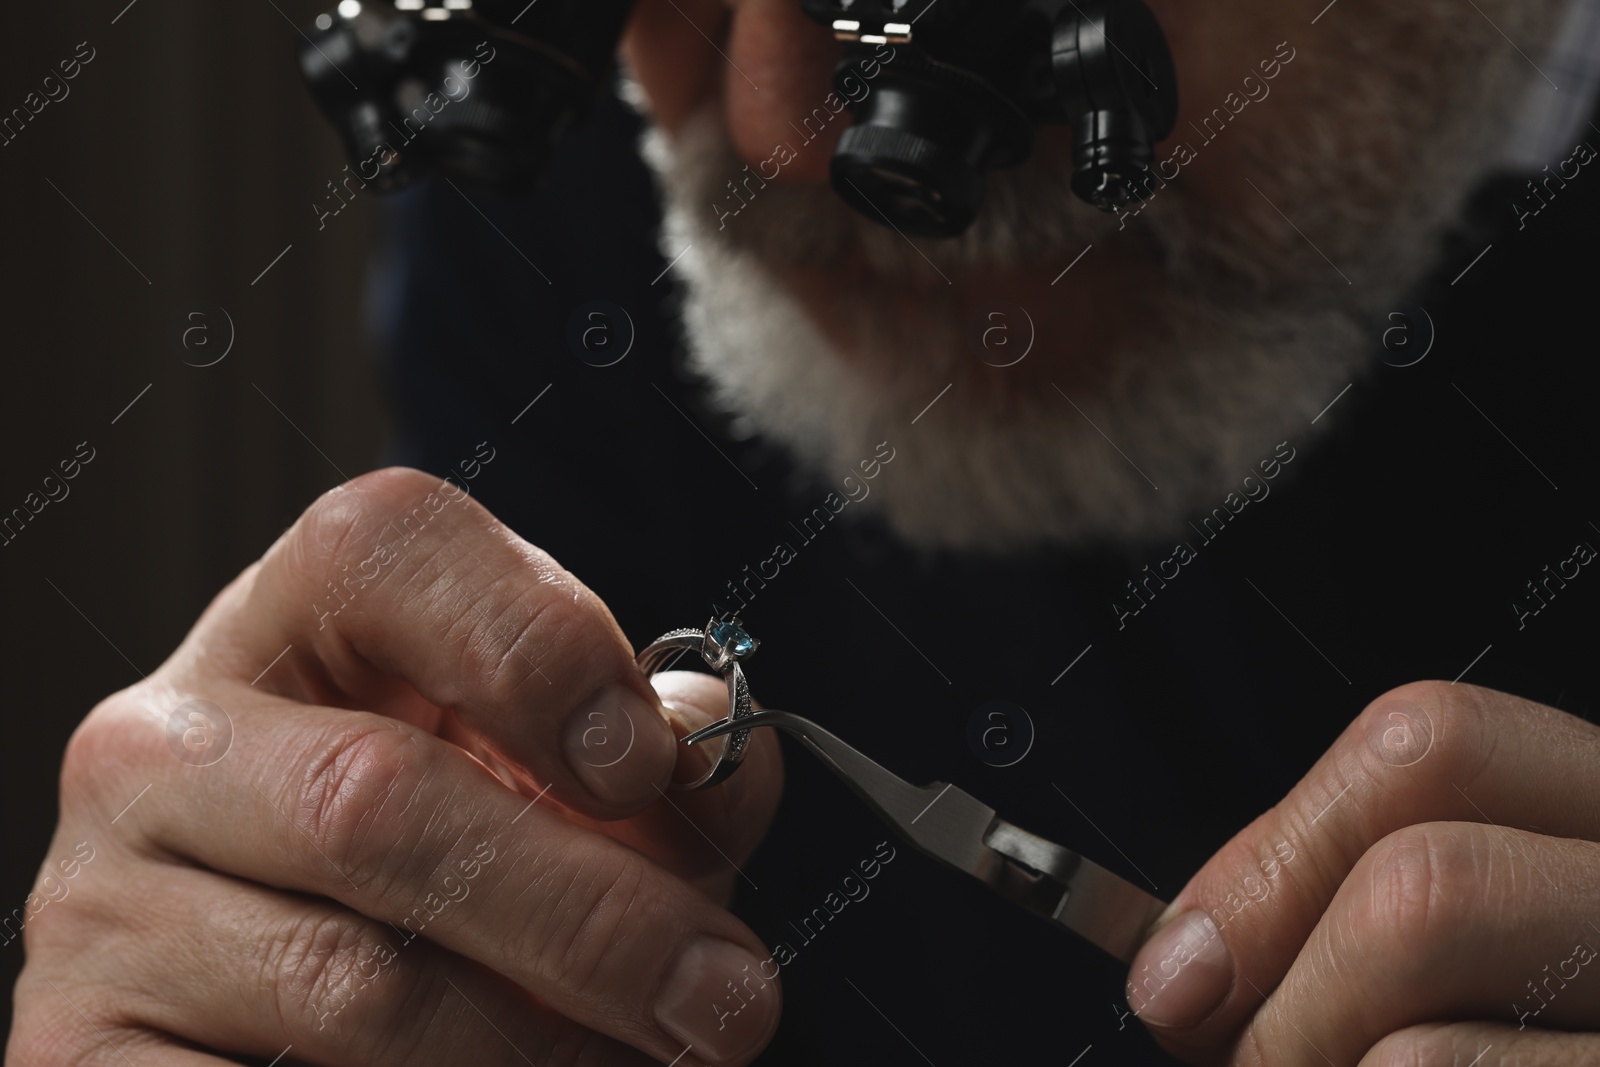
(731, 636)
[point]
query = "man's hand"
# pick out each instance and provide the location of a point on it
(421, 818)
(1427, 896)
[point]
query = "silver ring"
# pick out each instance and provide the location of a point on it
(722, 644)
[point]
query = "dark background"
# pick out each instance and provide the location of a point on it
(189, 141)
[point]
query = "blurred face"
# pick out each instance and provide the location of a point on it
(1311, 169)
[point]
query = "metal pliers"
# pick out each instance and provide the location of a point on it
(950, 824)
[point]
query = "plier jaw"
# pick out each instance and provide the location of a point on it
(953, 826)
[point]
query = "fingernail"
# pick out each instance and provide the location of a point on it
(1182, 973)
(619, 746)
(719, 1000)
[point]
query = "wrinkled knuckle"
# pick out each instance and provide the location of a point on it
(574, 933)
(1419, 883)
(350, 798)
(556, 620)
(336, 518)
(112, 736)
(52, 919)
(1437, 728)
(83, 763)
(319, 965)
(1429, 692)
(503, 648)
(394, 484)
(31, 1044)
(1402, 884)
(47, 1029)
(40, 1036)
(1466, 733)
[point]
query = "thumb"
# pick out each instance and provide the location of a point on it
(705, 835)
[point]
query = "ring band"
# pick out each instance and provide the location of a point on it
(722, 644)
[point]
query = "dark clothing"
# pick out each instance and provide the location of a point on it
(1390, 550)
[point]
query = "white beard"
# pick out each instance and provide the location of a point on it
(1255, 331)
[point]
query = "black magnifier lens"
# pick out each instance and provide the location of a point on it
(479, 90)
(905, 198)
(917, 152)
(519, 100)
(963, 89)
(1114, 73)
(913, 183)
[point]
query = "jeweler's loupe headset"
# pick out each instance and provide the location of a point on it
(484, 89)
